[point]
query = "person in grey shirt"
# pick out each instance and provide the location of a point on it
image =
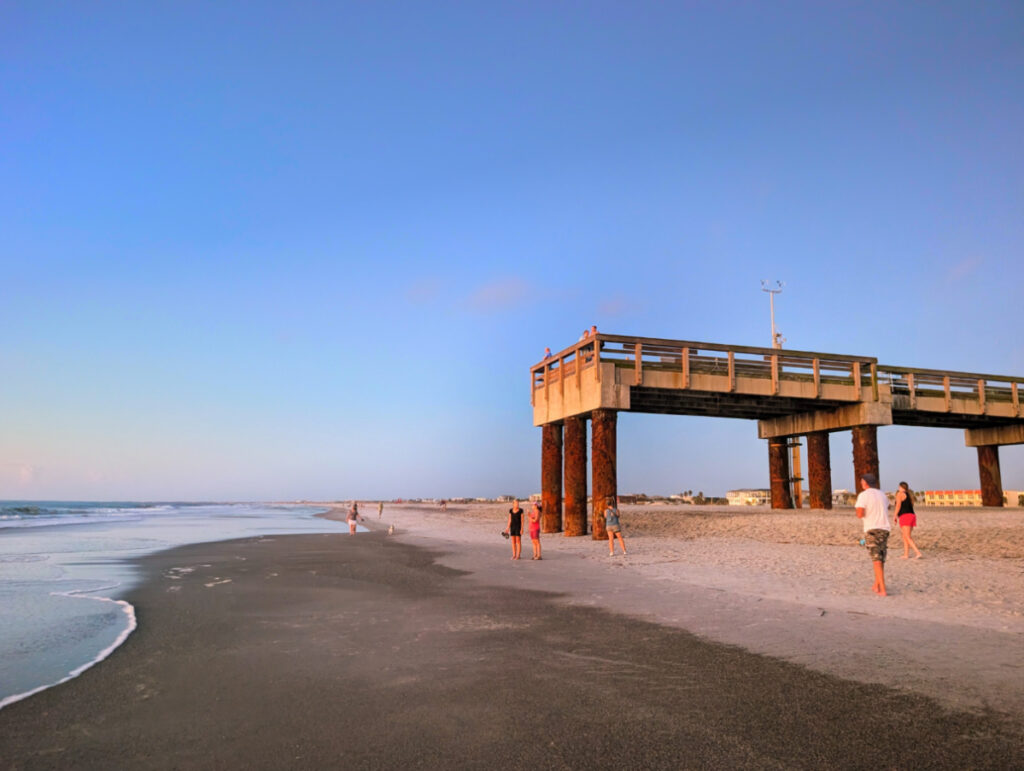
(613, 527)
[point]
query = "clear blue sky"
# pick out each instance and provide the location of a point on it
(306, 250)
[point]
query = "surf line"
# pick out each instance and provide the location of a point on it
(129, 611)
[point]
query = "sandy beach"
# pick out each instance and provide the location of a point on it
(725, 638)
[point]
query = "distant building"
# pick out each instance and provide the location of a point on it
(843, 498)
(748, 497)
(963, 497)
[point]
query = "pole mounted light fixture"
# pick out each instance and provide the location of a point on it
(766, 286)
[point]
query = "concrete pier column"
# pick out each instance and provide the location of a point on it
(603, 466)
(865, 454)
(778, 471)
(576, 476)
(991, 479)
(551, 478)
(819, 470)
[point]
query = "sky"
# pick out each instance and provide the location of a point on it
(310, 250)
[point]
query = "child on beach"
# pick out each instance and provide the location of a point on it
(535, 530)
(353, 517)
(515, 529)
(907, 519)
(613, 528)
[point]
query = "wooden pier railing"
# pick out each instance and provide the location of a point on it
(715, 367)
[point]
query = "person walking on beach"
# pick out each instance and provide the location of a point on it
(535, 530)
(380, 509)
(353, 517)
(515, 529)
(873, 507)
(613, 528)
(907, 519)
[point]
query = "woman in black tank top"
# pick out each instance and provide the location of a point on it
(907, 519)
(515, 529)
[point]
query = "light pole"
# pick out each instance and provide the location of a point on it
(777, 339)
(794, 442)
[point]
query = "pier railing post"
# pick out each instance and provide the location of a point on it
(778, 471)
(551, 478)
(575, 475)
(819, 470)
(991, 478)
(603, 466)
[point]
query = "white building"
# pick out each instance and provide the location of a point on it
(748, 497)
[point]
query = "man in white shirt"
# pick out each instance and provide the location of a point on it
(873, 507)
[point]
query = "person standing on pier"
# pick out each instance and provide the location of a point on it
(907, 519)
(873, 507)
(535, 530)
(515, 529)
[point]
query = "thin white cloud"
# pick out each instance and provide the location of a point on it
(964, 269)
(18, 473)
(499, 295)
(423, 291)
(614, 306)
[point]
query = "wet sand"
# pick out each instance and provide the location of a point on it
(369, 652)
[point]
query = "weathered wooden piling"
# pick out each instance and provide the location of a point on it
(819, 470)
(865, 453)
(575, 475)
(551, 478)
(778, 469)
(991, 479)
(603, 466)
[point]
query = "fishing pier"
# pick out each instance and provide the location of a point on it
(789, 393)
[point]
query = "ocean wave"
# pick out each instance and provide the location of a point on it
(129, 611)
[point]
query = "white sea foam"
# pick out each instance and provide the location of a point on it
(92, 546)
(129, 611)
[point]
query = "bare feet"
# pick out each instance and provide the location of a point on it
(904, 556)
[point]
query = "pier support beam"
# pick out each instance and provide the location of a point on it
(991, 479)
(575, 476)
(819, 470)
(865, 454)
(778, 470)
(603, 466)
(551, 478)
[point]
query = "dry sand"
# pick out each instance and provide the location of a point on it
(792, 585)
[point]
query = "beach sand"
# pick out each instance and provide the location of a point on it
(431, 649)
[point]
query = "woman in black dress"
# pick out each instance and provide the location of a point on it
(515, 529)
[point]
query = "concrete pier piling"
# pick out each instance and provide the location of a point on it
(778, 467)
(819, 471)
(991, 479)
(603, 466)
(575, 475)
(865, 453)
(551, 478)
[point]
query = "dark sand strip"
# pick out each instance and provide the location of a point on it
(331, 651)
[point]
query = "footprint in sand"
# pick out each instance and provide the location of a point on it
(216, 582)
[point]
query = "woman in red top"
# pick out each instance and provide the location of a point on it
(907, 519)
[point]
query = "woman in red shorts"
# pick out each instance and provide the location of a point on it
(535, 530)
(907, 519)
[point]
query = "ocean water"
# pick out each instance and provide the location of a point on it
(64, 569)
